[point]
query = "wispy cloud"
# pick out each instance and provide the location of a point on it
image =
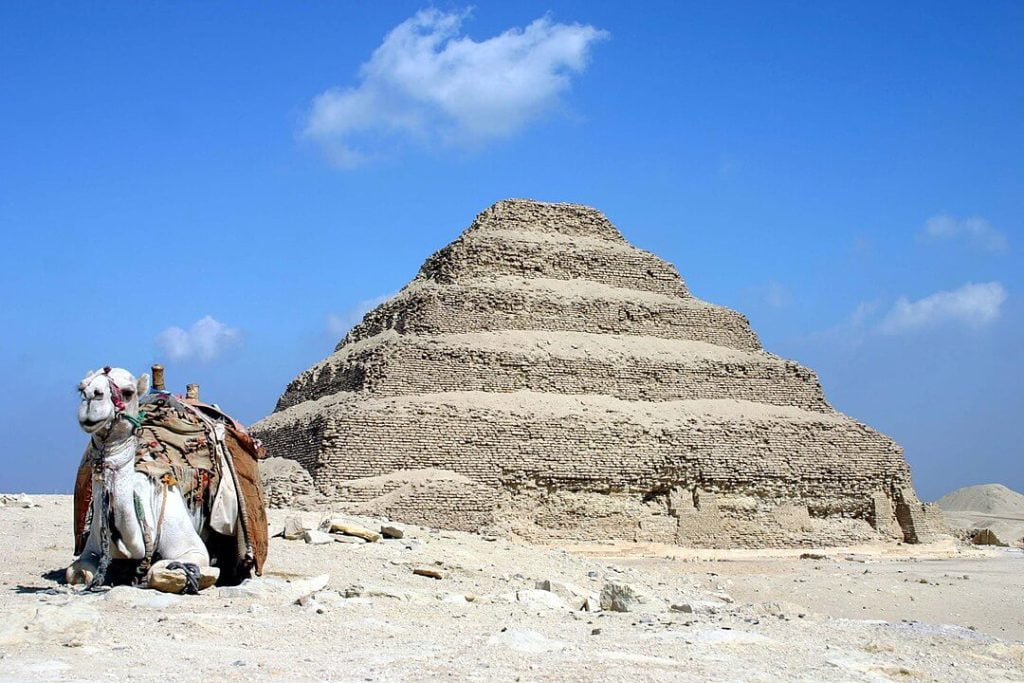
(338, 324)
(977, 231)
(973, 305)
(428, 83)
(773, 294)
(205, 340)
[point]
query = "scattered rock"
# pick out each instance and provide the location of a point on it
(540, 599)
(593, 604)
(350, 540)
(623, 597)
(390, 531)
(428, 571)
(20, 500)
(314, 537)
(275, 590)
(293, 528)
(684, 607)
(813, 556)
(575, 596)
(349, 528)
(147, 599)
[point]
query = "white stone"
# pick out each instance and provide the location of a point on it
(293, 528)
(275, 590)
(138, 597)
(525, 640)
(540, 599)
(314, 537)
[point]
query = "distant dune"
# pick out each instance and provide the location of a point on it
(987, 506)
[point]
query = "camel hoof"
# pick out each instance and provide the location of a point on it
(76, 575)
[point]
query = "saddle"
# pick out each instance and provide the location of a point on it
(214, 462)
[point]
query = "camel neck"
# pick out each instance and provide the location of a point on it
(114, 453)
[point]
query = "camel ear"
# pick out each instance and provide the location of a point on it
(142, 384)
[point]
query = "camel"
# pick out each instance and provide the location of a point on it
(133, 516)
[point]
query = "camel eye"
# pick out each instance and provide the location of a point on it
(127, 393)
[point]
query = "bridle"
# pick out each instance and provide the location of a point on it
(120, 407)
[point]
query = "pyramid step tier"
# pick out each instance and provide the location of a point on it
(551, 255)
(508, 303)
(525, 215)
(594, 443)
(625, 367)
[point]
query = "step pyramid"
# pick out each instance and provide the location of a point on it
(543, 376)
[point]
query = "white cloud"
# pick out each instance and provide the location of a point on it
(205, 340)
(428, 83)
(973, 305)
(977, 231)
(338, 325)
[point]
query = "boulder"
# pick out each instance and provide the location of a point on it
(623, 597)
(575, 596)
(540, 599)
(343, 526)
(314, 537)
(146, 599)
(173, 580)
(390, 531)
(275, 590)
(293, 528)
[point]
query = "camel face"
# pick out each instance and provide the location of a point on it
(105, 394)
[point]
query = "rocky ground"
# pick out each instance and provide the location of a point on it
(359, 611)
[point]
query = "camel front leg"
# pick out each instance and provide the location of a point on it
(83, 570)
(184, 566)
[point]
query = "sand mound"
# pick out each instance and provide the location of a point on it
(987, 506)
(992, 499)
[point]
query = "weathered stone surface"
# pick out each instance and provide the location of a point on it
(149, 599)
(294, 529)
(173, 580)
(338, 525)
(391, 531)
(525, 640)
(542, 376)
(624, 597)
(540, 599)
(575, 596)
(316, 537)
(431, 572)
(275, 590)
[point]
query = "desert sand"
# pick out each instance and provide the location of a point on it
(356, 611)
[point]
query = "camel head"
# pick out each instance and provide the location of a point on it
(107, 394)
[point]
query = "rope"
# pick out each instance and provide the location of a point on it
(192, 576)
(105, 523)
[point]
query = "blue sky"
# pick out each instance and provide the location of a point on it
(223, 186)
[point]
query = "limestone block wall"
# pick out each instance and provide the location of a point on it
(546, 255)
(524, 215)
(570, 363)
(515, 304)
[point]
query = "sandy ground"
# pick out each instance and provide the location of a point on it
(863, 614)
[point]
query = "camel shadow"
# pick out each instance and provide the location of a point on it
(54, 576)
